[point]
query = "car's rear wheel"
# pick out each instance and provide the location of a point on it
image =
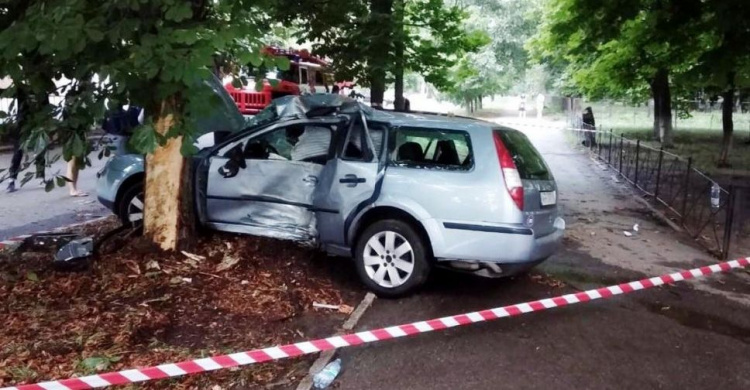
(130, 207)
(391, 258)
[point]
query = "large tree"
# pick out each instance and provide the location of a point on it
(725, 66)
(376, 41)
(626, 47)
(153, 53)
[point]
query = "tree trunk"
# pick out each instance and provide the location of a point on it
(727, 122)
(398, 44)
(168, 211)
(662, 107)
(481, 104)
(380, 44)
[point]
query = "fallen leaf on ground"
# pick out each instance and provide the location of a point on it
(346, 309)
(153, 265)
(227, 262)
(193, 256)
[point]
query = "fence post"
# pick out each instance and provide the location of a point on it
(687, 184)
(622, 141)
(637, 156)
(609, 152)
(658, 173)
(728, 222)
(599, 142)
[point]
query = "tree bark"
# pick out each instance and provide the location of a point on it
(662, 107)
(398, 41)
(380, 45)
(168, 211)
(727, 121)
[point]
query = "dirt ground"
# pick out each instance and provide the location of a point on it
(135, 307)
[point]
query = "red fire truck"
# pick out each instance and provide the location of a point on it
(306, 74)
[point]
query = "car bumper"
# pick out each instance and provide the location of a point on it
(511, 248)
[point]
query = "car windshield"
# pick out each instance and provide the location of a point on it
(530, 164)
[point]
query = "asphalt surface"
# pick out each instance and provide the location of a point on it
(685, 336)
(31, 209)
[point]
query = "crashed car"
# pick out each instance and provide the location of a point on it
(400, 193)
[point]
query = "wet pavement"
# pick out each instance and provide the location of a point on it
(20, 212)
(691, 335)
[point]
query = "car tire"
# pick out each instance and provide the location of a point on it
(391, 258)
(130, 207)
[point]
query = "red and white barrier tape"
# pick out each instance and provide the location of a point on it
(291, 350)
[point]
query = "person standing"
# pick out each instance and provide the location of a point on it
(72, 103)
(522, 106)
(539, 105)
(589, 127)
(15, 135)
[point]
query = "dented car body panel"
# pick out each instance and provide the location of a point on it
(317, 169)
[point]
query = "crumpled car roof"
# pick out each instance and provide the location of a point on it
(309, 106)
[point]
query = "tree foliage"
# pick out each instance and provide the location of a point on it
(360, 40)
(500, 30)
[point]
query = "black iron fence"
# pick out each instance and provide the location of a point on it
(704, 208)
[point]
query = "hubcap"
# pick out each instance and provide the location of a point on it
(135, 209)
(389, 259)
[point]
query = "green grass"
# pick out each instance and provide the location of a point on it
(698, 137)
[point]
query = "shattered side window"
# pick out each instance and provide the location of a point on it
(298, 142)
(431, 148)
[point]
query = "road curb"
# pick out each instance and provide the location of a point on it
(326, 356)
(12, 242)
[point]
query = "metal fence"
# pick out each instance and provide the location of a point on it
(704, 208)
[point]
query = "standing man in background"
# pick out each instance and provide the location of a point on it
(539, 105)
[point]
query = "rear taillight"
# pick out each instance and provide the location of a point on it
(513, 182)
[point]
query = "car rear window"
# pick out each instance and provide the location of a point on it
(530, 164)
(431, 148)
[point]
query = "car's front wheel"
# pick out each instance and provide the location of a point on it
(130, 207)
(391, 258)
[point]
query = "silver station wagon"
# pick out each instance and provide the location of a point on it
(400, 193)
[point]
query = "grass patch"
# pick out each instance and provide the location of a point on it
(698, 137)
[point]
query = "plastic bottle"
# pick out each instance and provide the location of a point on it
(715, 196)
(327, 375)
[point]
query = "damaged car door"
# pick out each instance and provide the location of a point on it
(263, 184)
(348, 182)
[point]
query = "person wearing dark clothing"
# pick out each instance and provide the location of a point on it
(589, 124)
(15, 135)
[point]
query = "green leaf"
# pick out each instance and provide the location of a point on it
(283, 63)
(95, 35)
(49, 185)
(144, 139)
(256, 60)
(258, 85)
(95, 363)
(31, 276)
(179, 12)
(60, 181)
(274, 83)
(187, 148)
(78, 146)
(237, 83)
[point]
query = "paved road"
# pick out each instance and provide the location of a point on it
(32, 209)
(687, 336)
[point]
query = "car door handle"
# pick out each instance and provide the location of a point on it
(352, 180)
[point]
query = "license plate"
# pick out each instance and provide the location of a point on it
(549, 198)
